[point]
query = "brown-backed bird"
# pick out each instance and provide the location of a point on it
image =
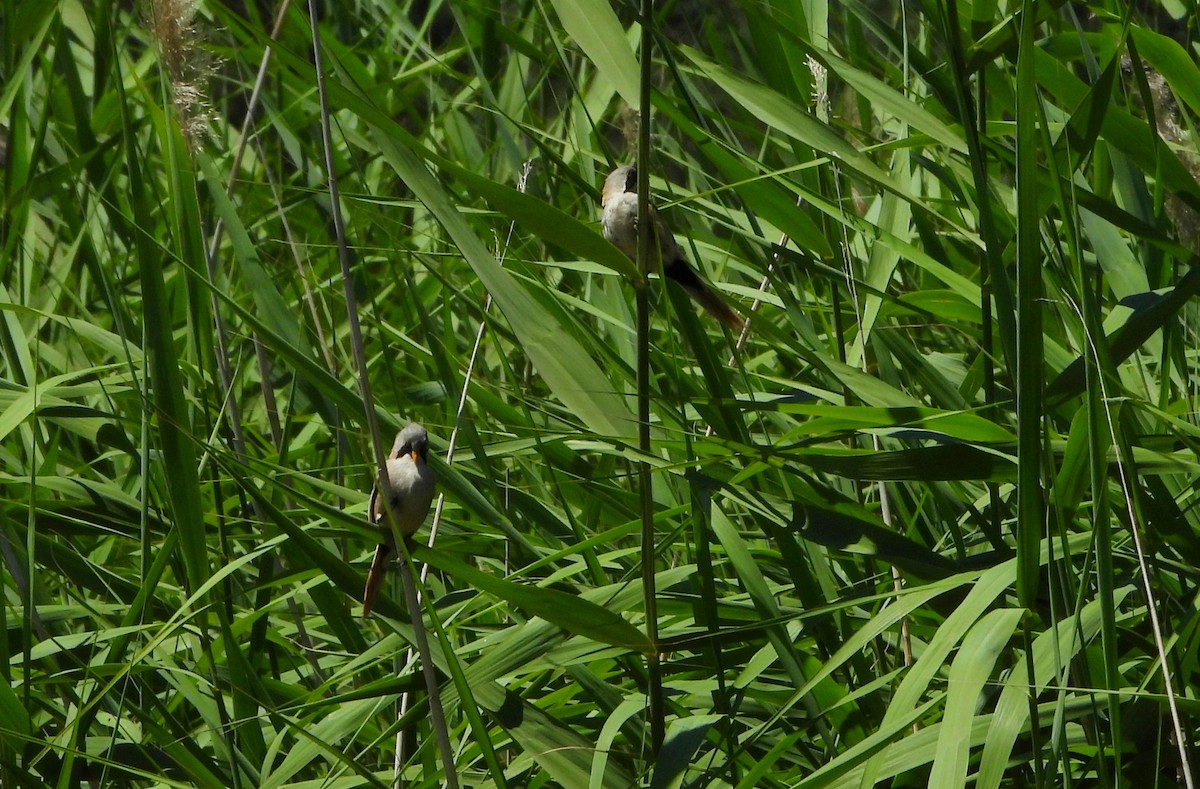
(619, 224)
(411, 485)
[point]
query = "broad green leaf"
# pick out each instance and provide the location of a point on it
(885, 98)
(269, 304)
(679, 749)
(780, 113)
(829, 419)
(1171, 61)
(1053, 652)
(759, 191)
(840, 532)
(944, 462)
(570, 612)
(1151, 314)
(17, 726)
(971, 669)
(595, 28)
(544, 220)
(30, 25)
(916, 684)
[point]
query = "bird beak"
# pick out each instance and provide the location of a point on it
(416, 457)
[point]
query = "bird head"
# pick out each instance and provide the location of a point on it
(619, 181)
(413, 441)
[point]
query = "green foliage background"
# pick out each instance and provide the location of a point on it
(934, 526)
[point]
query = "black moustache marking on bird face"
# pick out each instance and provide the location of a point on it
(631, 180)
(394, 502)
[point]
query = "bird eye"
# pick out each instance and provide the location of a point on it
(394, 502)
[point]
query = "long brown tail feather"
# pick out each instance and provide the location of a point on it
(375, 577)
(699, 291)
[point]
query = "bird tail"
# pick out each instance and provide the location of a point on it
(375, 577)
(701, 293)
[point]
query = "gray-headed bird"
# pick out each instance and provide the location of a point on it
(619, 224)
(411, 486)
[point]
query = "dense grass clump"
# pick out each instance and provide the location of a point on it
(928, 521)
